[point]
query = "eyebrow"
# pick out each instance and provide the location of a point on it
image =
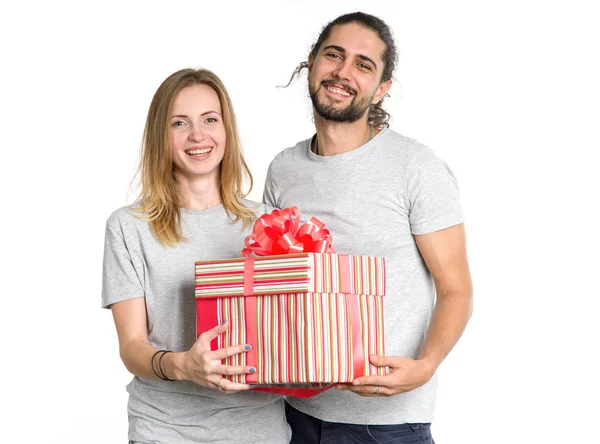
(343, 51)
(203, 114)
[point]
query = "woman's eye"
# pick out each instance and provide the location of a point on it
(178, 123)
(211, 120)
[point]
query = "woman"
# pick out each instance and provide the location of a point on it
(190, 208)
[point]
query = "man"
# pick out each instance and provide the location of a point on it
(380, 194)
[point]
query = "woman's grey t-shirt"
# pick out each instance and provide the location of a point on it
(374, 199)
(137, 265)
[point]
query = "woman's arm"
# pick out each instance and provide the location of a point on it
(199, 364)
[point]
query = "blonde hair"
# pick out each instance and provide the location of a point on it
(158, 196)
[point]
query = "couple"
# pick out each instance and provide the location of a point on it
(379, 193)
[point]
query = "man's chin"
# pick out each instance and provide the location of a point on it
(331, 111)
(342, 114)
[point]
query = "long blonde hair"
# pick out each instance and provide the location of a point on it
(158, 196)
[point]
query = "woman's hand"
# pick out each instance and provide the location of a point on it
(203, 366)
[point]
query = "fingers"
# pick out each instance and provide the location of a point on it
(205, 338)
(213, 362)
(371, 380)
(211, 334)
(382, 361)
(370, 391)
(216, 368)
(378, 360)
(223, 353)
(234, 369)
(227, 386)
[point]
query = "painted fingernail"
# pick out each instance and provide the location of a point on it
(224, 322)
(252, 386)
(252, 370)
(248, 347)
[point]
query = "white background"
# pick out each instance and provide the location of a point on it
(506, 92)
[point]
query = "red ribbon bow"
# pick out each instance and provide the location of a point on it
(281, 233)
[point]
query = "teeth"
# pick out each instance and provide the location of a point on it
(339, 91)
(199, 152)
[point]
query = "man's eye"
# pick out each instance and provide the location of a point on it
(333, 56)
(363, 66)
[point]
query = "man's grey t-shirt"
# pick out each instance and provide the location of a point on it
(137, 265)
(373, 200)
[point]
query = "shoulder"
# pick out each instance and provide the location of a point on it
(407, 150)
(292, 154)
(126, 218)
(398, 144)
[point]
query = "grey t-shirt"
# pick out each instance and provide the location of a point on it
(137, 265)
(373, 200)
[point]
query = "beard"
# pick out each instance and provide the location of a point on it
(353, 112)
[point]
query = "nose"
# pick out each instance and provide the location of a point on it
(196, 134)
(342, 70)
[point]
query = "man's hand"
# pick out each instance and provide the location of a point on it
(405, 374)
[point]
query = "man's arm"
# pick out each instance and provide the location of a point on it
(445, 255)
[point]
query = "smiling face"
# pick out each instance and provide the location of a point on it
(197, 132)
(345, 76)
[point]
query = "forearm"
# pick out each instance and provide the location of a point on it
(137, 356)
(199, 364)
(450, 317)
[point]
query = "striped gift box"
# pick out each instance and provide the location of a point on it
(311, 318)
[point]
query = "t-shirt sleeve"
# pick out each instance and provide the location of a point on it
(121, 279)
(433, 195)
(269, 198)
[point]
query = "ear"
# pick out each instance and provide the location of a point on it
(382, 90)
(310, 62)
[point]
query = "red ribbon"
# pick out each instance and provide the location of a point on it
(281, 233)
(249, 276)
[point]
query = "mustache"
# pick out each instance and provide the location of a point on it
(337, 82)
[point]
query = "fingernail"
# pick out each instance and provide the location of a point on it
(252, 370)
(224, 322)
(248, 347)
(252, 386)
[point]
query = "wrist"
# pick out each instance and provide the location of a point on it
(160, 365)
(173, 366)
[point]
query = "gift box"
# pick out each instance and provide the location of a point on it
(312, 318)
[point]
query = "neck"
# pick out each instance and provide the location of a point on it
(337, 138)
(198, 193)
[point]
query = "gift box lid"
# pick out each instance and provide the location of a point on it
(291, 273)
